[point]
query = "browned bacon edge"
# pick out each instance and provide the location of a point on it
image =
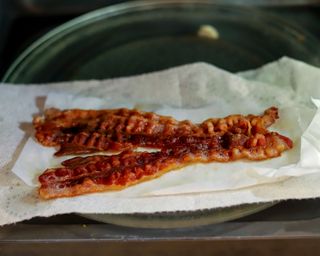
(103, 173)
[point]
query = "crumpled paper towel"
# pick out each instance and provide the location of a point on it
(196, 178)
(195, 91)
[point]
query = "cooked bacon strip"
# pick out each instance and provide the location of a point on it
(56, 125)
(86, 131)
(103, 173)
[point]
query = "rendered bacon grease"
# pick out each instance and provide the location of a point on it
(180, 143)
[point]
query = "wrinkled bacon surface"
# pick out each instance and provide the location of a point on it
(180, 143)
(86, 131)
(81, 175)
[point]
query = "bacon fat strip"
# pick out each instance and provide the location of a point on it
(86, 131)
(103, 173)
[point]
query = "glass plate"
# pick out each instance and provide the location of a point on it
(139, 37)
(182, 219)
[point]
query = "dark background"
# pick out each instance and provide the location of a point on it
(22, 21)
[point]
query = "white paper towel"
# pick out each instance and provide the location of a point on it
(196, 178)
(201, 89)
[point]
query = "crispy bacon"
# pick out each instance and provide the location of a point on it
(180, 143)
(81, 175)
(86, 131)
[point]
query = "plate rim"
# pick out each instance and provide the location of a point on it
(181, 219)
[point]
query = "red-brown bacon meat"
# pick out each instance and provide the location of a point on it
(82, 175)
(87, 131)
